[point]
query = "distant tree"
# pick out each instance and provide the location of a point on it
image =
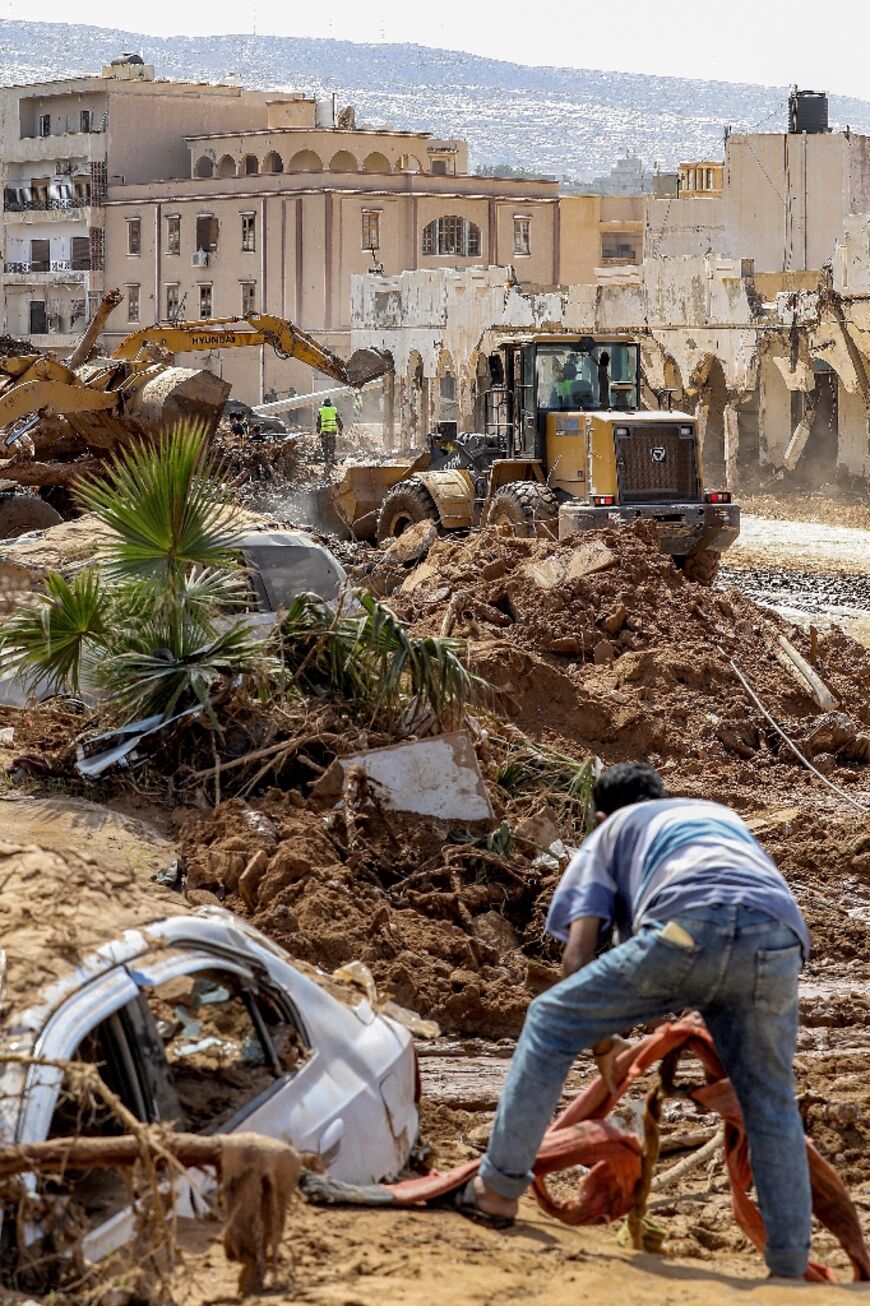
(508, 170)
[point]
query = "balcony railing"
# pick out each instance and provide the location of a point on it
(45, 206)
(44, 265)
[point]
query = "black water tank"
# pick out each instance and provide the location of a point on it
(808, 112)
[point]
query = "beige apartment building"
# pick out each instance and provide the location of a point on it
(202, 200)
(279, 218)
(62, 144)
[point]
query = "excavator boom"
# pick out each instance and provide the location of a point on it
(255, 329)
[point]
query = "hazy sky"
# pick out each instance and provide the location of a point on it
(822, 44)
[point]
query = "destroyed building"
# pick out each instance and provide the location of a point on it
(750, 302)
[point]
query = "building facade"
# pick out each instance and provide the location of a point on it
(62, 144)
(278, 219)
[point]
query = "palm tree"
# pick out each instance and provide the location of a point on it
(150, 631)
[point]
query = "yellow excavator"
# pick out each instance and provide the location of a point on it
(254, 329)
(60, 417)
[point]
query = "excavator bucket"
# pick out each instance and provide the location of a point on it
(366, 365)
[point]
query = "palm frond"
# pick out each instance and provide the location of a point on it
(564, 782)
(165, 667)
(168, 509)
(369, 659)
(50, 640)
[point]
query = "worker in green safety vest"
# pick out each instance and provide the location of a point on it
(329, 424)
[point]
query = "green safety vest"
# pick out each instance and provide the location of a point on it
(328, 420)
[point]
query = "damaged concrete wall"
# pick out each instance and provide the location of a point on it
(706, 334)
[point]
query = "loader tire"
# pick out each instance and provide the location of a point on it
(701, 565)
(405, 505)
(20, 513)
(525, 508)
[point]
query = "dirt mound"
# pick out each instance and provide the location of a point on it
(444, 926)
(603, 643)
(57, 906)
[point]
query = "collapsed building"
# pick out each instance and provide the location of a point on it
(752, 303)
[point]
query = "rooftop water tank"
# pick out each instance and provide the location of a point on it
(808, 112)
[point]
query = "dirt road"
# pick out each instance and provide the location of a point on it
(807, 571)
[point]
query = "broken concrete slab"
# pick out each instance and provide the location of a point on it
(419, 576)
(589, 557)
(546, 573)
(438, 776)
(540, 829)
(412, 544)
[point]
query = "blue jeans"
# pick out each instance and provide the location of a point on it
(742, 975)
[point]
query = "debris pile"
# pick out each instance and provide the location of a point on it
(601, 643)
(450, 929)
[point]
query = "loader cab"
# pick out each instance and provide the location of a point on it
(533, 379)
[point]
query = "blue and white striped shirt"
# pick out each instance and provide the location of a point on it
(653, 860)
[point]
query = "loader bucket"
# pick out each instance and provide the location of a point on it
(359, 494)
(367, 365)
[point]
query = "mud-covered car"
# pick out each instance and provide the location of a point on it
(195, 1019)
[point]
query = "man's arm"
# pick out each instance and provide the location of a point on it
(581, 945)
(578, 952)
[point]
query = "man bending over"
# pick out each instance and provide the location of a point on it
(705, 921)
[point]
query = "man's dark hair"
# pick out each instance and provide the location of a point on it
(628, 782)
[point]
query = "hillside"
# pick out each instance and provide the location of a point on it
(564, 121)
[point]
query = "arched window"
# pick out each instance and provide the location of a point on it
(227, 166)
(376, 162)
(452, 236)
(204, 167)
(250, 165)
(273, 162)
(343, 161)
(305, 161)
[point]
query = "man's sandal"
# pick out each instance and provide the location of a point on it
(465, 1202)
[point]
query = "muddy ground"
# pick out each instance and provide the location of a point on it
(616, 661)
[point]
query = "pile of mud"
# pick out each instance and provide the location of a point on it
(460, 937)
(601, 644)
(56, 908)
(446, 929)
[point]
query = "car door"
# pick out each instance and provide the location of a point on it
(237, 1054)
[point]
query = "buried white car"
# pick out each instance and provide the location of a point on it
(194, 1018)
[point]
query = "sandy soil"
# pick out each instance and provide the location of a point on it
(60, 823)
(373, 1259)
(851, 510)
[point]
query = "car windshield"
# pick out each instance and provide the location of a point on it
(603, 377)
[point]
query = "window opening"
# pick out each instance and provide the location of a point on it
(173, 302)
(173, 234)
(99, 1193)
(371, 229)
(207, 232)
(132, 303)
(205, 301)
(249, 232)
(452, 235)
(224, 1045)
(134, 235)
(522, 235)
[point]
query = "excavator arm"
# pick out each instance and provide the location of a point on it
(255, 329)
(52, 398)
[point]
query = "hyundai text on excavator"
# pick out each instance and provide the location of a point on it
(56, 412)
(566, 447)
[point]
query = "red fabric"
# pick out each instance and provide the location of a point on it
(582, 1136)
